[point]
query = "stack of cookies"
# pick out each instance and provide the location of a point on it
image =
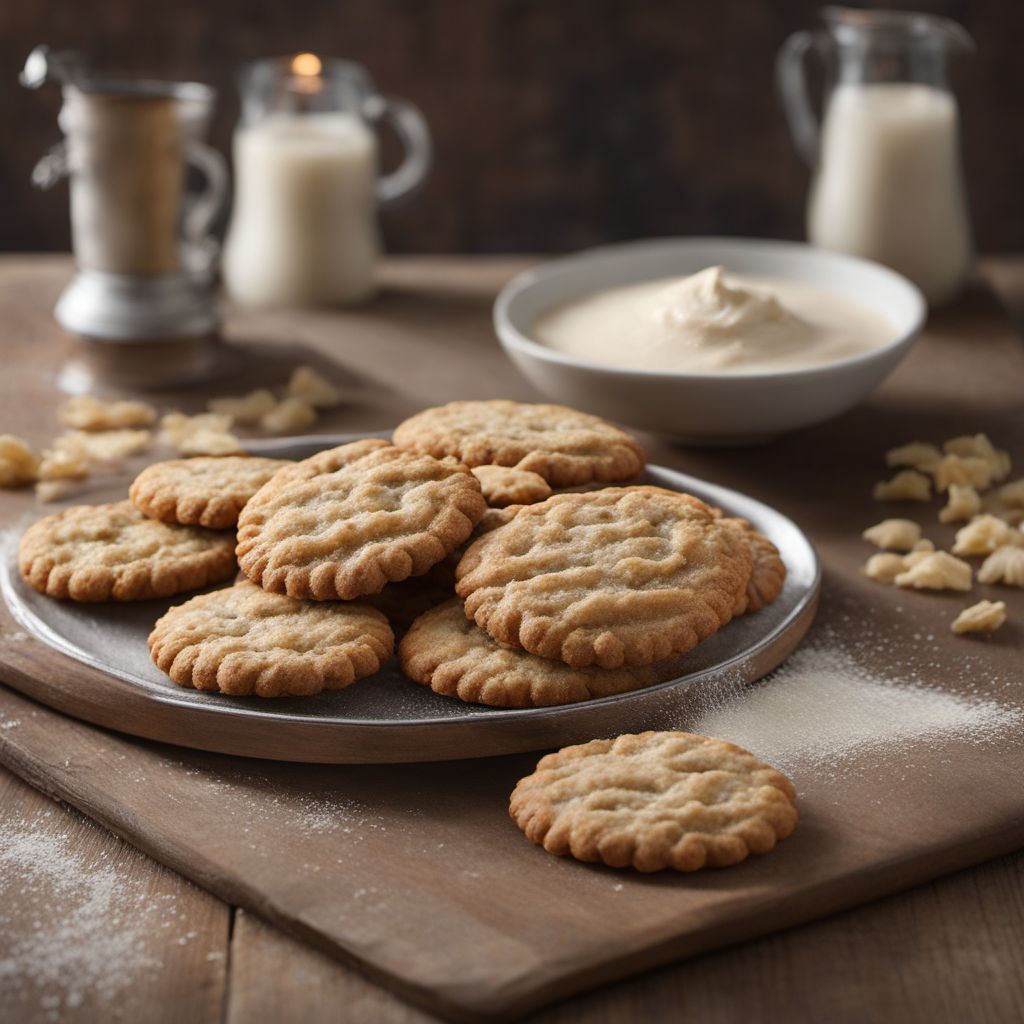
(514, 590)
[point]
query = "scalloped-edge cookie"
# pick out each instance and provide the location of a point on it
(205, 491)
(768, 573)
(242, 641)
(618, 576)
(456, 658)
(345, 522)
(114, 553)
(564, 446)
(655, 800)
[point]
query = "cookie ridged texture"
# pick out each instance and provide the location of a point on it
(245, 642)
(346, 522)
(655, 800)
(506, 485)
(618, 576)
(203, 491)
(768, 573)
(456, 658)
(564, 446)
(113, 552)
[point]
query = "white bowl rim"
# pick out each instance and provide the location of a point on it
(503, 323)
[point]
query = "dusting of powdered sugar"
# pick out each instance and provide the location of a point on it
(71, 930)
(823, 709)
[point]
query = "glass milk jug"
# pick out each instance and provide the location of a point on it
(304, 225)
(887, 181)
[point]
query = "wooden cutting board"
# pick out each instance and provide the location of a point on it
(416, 873)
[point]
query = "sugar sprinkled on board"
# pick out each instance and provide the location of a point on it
(823, 708)
(91, 944)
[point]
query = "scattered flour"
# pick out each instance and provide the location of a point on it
(822, 708)
(80, 932)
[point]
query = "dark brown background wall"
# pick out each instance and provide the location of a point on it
(557, 123)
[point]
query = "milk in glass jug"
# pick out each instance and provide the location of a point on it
(887, 182)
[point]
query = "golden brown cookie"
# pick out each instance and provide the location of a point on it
(456, 658)
(205, 491)
(347, 521)
(562, 445)
(655, 800)
(245, 642)
(505, 485)
(768, 573)
(115, 553)
(619, 576)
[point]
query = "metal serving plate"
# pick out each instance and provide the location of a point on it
(387, 718)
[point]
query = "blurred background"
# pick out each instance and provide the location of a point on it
(557, 123)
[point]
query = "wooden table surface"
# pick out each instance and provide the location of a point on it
(952, 950)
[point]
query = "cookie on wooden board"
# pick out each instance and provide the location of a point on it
(655, 800)
(242, 641)
(205, 491)
(113, 552)
(345, 522)
(456, 658)
(618, 576)
(564, 446)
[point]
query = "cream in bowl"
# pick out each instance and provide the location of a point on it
(656, 335)
(713, 322)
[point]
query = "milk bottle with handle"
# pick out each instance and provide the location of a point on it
(887, 181)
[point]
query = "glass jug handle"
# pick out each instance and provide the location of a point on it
(201, 246)
(791, 80)
(411, 128)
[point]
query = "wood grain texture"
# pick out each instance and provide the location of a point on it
(93, 930)
(556, 125)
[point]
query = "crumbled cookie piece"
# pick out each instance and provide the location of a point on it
(64, 463)
(907, 485)
(57, 490)
(207, 433)
(87, 413)
(1012, 494)
(983, 617)
(936, 570)
(313, 388)
(655, 800)
(979, 446)
(505, 485)
(884, 567)
(893, 534)
(1004, 565)
(289, 417)
(963, 503)
(916, 455)
(963, 469)
(18, 463)
(983, 534)
(250, 408)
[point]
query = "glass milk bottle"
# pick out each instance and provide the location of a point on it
(304, 225)
(887, 179)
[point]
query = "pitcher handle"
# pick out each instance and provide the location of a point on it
(411, 128)
(201, 246)
(791, 80)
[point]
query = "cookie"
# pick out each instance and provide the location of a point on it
(562, 445)
(506, 485)
(245, 642)
(205, 491)
(619, 576)
(655, 800)
(768, 573)
(115, 553)
(403, 603)
(346, 522)
(456, 658)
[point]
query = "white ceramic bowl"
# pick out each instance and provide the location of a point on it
(701, 407)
